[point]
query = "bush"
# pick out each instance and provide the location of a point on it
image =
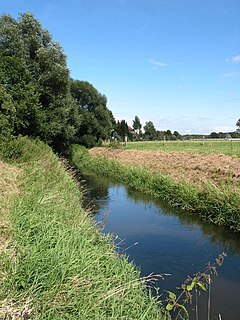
(22, 149)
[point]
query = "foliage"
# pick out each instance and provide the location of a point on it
(150, 131)
(121, 128)
(137, 124)
(38, 98)
(34, 74)
(19, 98)
(7, 115)
(97, 119)
(201, 281)
(86, 96)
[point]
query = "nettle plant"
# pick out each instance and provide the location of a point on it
(175, 305)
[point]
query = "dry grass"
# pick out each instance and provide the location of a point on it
(15, 310)
(216, 169)
(8, 189)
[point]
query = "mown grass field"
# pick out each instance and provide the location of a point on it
(228, 147)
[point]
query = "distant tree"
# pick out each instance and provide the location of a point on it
(137, 124)
(214, 135)
(159, 135)
(168, 133)
(150, 131)
(238, 125)
(122, 129)
(177, 135)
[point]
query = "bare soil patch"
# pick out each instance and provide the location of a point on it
(216, 169)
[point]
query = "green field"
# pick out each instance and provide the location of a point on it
(228, 147)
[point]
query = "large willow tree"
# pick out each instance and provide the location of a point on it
(35, 76)
(38, 97)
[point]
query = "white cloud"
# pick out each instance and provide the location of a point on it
(157, 63)
(236, 59)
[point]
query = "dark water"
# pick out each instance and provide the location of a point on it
(160, 240)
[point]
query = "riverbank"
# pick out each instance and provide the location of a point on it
(54, 262)
(197, 184)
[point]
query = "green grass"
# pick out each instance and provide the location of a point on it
(58, 265)
(218, 206)
(205, 146)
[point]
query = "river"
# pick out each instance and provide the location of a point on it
(161, 240)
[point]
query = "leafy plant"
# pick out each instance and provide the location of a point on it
(200, 281)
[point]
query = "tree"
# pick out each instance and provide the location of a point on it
(122, 129)
(86, 96)
(177, 135)
(137, 124)
(238, 125)
(214, 135)
(97, 120)
(45, 61)
(150, 130)
(38, 97)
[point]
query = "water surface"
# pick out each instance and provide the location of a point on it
(159, 240)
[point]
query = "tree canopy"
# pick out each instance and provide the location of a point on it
(150, 130)
(38, 97)
(137, 124)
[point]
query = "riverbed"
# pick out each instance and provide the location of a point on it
(160, 240)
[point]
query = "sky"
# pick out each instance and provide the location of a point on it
(173, 62)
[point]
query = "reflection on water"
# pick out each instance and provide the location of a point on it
(159, 239)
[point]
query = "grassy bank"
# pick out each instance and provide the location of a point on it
(217, 205)
(55, 263)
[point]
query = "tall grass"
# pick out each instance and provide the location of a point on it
(60, 266)
(220, 207)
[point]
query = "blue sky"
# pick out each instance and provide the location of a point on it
(174, 62)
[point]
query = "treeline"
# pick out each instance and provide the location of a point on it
(37, 95)
(149, 131)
